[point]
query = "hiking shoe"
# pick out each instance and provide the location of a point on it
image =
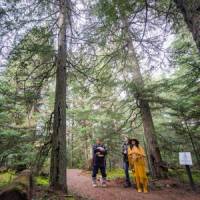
(94, 184)
(127, 185)
(145, 191)
(139, 190)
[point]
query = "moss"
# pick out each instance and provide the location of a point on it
(6, 178)
(117, 173)
(43, 194)
(181, 174)
(42, 181)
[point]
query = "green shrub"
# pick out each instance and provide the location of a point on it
(42, 181)
(117, 173)
(6, 178)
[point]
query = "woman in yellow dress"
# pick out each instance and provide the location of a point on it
(137, 163)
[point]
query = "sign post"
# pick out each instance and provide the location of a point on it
(185, 158)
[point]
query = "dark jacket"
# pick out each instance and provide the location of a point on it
(125, 149)
(99, 156)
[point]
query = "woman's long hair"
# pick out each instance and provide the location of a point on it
(136, 143)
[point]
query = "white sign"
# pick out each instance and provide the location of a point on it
(185, 158)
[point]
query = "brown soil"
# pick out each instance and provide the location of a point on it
(79, 183)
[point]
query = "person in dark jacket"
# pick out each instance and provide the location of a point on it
(99, 162)
(125, 161)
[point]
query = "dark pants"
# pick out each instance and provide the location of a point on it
(96, 169)
(126, 166)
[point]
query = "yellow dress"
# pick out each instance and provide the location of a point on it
(136, 157)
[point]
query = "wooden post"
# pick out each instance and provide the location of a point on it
(190, 177)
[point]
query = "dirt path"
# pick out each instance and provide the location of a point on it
(80, 184)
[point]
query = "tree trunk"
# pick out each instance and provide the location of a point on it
(149, 131)
(148, 126)
(191, 13)
(72, 149)
(58, 153)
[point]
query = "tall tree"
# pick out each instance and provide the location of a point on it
(58, 154)
(37, 14)
(147, 120)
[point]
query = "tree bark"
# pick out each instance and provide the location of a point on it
(191, 13)
(148, 125)
(58, 153)
(149, 131)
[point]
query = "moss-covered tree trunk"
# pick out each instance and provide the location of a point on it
(191, 13)
(21, 187)
(58, 153)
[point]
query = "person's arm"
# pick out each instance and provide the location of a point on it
(95, 149)
(139, 151)
(124, 150)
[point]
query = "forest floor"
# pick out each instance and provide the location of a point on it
(79, 183)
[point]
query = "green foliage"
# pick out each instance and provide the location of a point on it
(183, 177)
(41, 181)
(6, 178)
(116, 173)
(179, 121)
(15, 149)
(29, 68)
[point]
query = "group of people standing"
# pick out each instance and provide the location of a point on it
(133, 158)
